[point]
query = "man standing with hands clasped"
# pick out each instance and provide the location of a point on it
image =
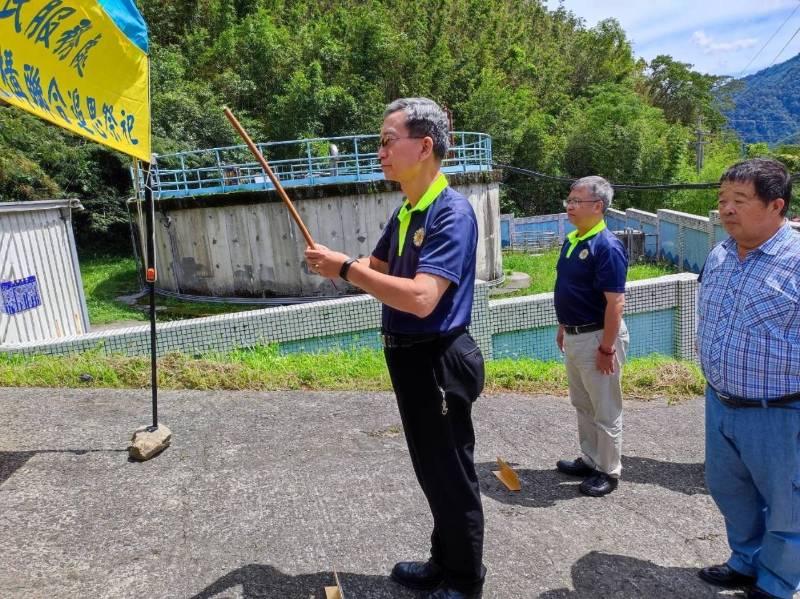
(589, 300)
(748, 337)
(423, 271)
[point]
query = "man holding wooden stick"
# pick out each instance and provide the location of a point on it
(423, 271)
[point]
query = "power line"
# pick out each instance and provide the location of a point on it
(751, 89)
(796, 31)
(762, 121)
(629, 186)
(769, 40)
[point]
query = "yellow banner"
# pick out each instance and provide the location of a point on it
(69, 62)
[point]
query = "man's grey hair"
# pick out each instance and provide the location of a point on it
(424, 118)
(598, 187)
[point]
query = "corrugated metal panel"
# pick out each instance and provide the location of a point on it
(36, 240)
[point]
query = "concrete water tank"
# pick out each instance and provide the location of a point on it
(244, 244)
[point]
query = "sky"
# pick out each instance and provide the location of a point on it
(719, 37)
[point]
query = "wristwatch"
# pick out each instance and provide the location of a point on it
(603, 351)
(346, 267)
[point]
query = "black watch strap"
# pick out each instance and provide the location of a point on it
(346, 267)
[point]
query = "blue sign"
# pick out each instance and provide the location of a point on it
(20, 295)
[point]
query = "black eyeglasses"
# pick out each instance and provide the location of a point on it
(567, 202)
(385, 142)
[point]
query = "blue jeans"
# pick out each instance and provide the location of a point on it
(753, 474)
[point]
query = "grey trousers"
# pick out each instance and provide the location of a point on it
(597, 398)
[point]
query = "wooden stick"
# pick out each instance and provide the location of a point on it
(271, 175)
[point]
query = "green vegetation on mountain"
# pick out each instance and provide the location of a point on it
(557, 97)
(765, 107)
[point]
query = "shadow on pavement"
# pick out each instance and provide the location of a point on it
(11, 461)
(543, 488)
(688, 479)
(540, 488)
(621, 577)
(266, 582)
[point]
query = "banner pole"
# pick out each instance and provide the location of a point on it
(149, 441)
(150, 277)
(265, 165)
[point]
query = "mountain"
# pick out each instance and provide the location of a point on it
(766, 105)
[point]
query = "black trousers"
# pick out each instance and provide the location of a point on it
(436, 384)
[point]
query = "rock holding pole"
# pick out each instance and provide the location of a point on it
(148, 442)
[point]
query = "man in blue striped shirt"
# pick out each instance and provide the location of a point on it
(749, 344)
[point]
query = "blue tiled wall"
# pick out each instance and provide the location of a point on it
(690, 256)
(650, 239)
(668, 242)
(695, 249)
(532, 343)
(615, 223)
(541, 227)
(719, 234)
(652, 333)
(349, 341)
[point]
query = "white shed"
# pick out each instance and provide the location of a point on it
(41, 293)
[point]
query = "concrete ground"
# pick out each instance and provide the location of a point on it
(265, 494)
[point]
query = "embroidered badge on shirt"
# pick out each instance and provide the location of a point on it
(419, 236)
(583, 254)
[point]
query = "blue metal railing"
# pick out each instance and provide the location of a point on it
(297, 163)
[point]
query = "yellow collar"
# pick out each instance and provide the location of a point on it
(574, 239)
(404, 214)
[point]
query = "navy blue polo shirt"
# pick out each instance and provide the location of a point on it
(595, 265)
(440, 240)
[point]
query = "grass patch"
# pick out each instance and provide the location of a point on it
(658, 376)
(107, 277)
(104, 279)
(265, 369)
(542, 270)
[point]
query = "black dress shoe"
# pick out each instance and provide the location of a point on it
(598, 484)
(756, 593)
(420, 576)
(576, 467)
(448, 593)
(725, 576)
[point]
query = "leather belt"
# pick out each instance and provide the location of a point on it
(582, 328)
(732, 401)
(393, 341)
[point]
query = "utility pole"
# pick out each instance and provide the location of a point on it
(699, 143)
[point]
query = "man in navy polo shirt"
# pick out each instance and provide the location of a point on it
(423, 271)
(589, 300)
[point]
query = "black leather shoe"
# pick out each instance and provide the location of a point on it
(756, 593)
(576, 467)
(598, 484)
(725, 576)
(420, 576)
(448, 593)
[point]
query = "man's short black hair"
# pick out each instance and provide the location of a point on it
(769, 177)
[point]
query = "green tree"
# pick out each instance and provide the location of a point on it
(684, 94)
(614, 133)
(556, 96)
(602, 54)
